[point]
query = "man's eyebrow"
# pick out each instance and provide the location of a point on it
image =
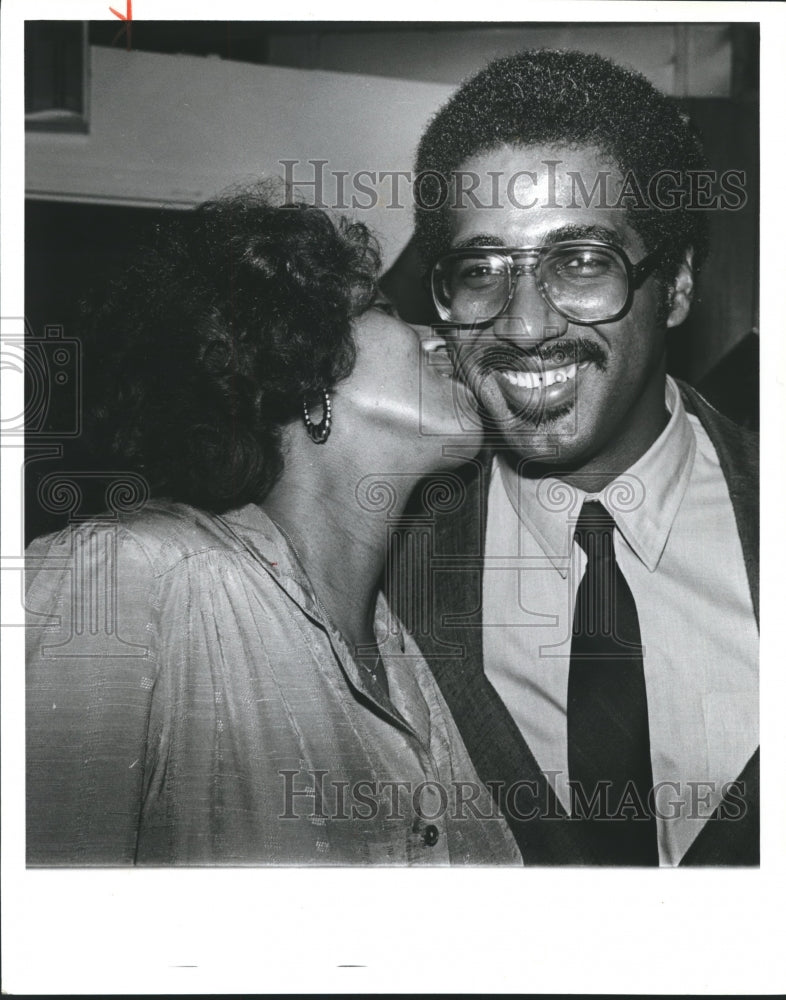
(481, 240)
(589, 232)
(558, 235)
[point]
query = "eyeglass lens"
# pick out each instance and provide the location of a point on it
(588, 283)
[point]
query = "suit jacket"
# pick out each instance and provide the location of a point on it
(436, 586)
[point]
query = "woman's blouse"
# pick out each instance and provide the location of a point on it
(189, 703)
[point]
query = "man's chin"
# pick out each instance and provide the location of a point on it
(520, 426)
(543, 419)
(549, 436)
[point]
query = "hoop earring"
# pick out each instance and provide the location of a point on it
(319, 433)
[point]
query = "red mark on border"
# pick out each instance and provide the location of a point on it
(126, 18)
(123, 17)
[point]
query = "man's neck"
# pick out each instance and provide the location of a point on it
(602, 469)
(594, 474)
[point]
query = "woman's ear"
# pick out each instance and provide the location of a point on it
(681, 291)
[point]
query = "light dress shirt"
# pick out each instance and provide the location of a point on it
(677, 545)
(189, 703)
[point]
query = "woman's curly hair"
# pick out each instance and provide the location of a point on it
(208, 344)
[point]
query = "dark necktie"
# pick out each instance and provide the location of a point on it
(608, 730)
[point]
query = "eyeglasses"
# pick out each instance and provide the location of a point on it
(586, 281)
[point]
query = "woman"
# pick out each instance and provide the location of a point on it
(225, 684)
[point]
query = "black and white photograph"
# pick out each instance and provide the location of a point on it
(384, 446)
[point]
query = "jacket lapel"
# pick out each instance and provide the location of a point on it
(448, 579)
(738, 454)
(731, 835)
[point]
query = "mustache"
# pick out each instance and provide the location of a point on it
(568, 352)
(483, 359)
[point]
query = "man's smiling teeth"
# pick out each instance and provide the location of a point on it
(535, 380)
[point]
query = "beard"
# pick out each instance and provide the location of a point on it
(541, 417)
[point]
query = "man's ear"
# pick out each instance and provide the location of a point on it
(681, 291)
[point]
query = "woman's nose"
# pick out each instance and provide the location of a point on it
(431, 338)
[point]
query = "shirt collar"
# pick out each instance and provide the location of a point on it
(644, 500)
(267, 542)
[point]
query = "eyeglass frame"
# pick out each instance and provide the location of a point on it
(635, 275)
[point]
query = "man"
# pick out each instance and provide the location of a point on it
(593, 598)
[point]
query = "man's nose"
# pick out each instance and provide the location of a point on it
(529, 318)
